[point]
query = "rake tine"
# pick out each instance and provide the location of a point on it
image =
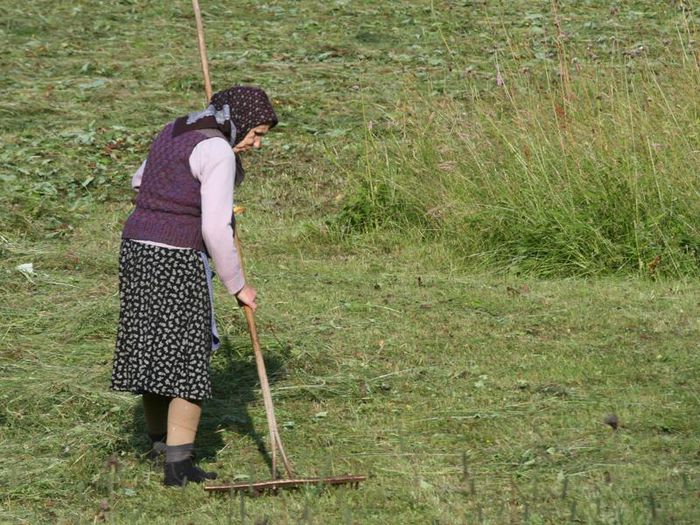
(275, 486)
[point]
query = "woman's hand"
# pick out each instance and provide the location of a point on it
(246, 297)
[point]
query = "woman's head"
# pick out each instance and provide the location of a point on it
(243, 114)
(250, 111)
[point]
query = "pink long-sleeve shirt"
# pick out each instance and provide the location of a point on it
(213, 164)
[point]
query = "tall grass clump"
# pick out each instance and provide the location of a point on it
(592, 175)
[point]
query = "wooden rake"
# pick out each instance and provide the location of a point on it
(273, 485)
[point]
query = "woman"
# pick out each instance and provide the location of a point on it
(182, 217)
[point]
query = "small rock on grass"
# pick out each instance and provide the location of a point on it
(612, 421)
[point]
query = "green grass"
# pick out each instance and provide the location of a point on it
(588, 169)
(604, 181)
(408, 329)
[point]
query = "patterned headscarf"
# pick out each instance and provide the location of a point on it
(234, 112)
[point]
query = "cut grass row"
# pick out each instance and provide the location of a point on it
(401, 372)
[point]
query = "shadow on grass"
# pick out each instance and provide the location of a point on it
(235, 385)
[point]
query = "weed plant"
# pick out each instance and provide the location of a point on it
(594, 176)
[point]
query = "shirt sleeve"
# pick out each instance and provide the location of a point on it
(213, 163)
(136, 179)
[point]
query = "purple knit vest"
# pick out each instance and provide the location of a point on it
(169, 204)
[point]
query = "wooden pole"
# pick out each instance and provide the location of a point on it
(202, 49)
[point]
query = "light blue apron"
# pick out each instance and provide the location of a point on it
(215, 341)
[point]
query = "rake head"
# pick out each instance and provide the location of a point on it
(274, 486)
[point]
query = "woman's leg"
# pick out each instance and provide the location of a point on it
(155, 411)
(183, 420)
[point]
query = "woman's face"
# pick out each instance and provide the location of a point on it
(253, 139)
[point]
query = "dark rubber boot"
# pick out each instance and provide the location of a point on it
(179, 473)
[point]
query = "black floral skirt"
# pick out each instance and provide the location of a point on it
(164, 338)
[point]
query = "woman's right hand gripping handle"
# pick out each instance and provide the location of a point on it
(246, 297)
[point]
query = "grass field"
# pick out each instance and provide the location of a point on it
(454, 233)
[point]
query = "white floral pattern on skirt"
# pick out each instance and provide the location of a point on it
(164, 338)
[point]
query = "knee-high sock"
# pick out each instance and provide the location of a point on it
(183, 420)
(155, 411)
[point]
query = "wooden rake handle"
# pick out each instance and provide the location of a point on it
(202, 48)
(275, 440)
